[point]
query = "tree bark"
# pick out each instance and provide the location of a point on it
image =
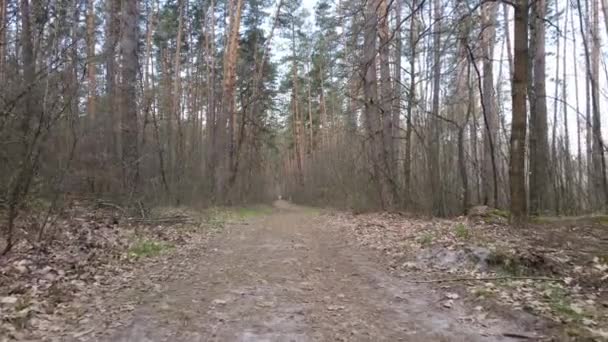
(578, 112)
(113, 27)
(91, 61)
(226, 124)
(435, 143)
(129, 53)
(396, 111)
(296, 116)
(518, 131)
(490, 132)
(211, 120)
(599, 162)
(411, 101)
(386, 111)
(372, 104)
(176, 99)
(3, 29)
(539, 151)
(597, 177)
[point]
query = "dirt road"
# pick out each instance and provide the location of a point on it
(287, 277)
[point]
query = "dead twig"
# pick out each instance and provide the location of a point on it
(518, 335)
(449, 280)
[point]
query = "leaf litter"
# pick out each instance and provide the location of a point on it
(59, 290)
(555, 272)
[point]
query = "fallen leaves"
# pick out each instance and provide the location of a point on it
(556, 272)
(51, 289)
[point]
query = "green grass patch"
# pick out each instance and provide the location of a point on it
(462, 232)
(500, 212)
(586, 219)
(216, 217)
(558, 300)
(426, 239)
(253, 211)
(148, 248)
(484, 293)
(312, 210)
(506, 263)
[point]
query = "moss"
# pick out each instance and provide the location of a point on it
(148, 248)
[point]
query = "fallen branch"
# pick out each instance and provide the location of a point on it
(448, 280)
(167, 219)
(518, 335)
(111, 205)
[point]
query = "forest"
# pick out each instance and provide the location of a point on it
(430, 106)
(233, 153)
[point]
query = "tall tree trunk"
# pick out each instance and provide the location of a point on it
(578, 111)
(505, 9)
(518, 132)
(568, 174)
(29, 68)
(554, 161)
(538, 115)
(323, 116)
(396, 112)
(599, 162)
(352, 81)
(310, 126)
(91, 61)
(597, 178)
(435, 143)
(411, 101)
(176, 97)
(211, 120)
(113, 27)
(226, 124)
(386, 93)
(128, 49)
(370, 92)
(490, 131)
(3, 29)
(296, 120)
(19, 186)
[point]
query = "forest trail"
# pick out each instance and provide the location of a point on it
(287, 277)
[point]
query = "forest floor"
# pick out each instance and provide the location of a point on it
(291, 273)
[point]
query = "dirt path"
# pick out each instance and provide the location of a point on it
(287, 277)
